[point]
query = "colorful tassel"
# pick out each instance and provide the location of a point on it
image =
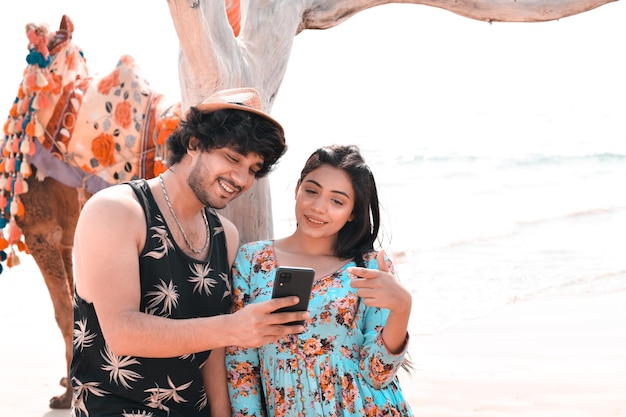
(13, 260)
(17, 207)
(30, 128)
(15, 233)
(43, 101)
(21, 246)
(15, 146)
(10, 164)
(24, 185)
(18, 128)
(24, 105)
(9, 185)
(30, 82)
(24, 145)
(41, 80)
(14, 207)
(25, 169)
(7, 126)
(35, 102)
(20, 207)
(18, 188)
(13, 113)
(11, 127)
(39, 130)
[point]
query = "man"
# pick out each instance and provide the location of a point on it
(152, 267)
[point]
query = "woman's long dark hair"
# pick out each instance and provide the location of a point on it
(357, 236)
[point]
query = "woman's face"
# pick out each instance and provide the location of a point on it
(324, 201)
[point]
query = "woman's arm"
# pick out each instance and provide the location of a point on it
(381, 288)
(385, 316)
(215, 383)
(242, 365)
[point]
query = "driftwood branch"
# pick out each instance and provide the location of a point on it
(324, 14)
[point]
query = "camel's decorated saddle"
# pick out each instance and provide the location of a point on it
(88, 132)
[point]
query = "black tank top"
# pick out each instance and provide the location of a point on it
(173, 285)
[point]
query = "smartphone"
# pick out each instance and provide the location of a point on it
(290, 281)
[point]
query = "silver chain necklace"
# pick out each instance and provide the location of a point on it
(180, 226)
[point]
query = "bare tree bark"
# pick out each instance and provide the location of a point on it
(324, 14)
(212, 58)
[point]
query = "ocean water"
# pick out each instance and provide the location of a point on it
(499, 151)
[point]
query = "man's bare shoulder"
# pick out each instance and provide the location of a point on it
(111, 218)
(110, 226)
(116, 203)
(119, 195)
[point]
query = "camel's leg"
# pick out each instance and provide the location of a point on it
(50, 259)
(66, 255)
(51, 212)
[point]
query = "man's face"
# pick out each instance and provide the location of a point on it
(219, 176)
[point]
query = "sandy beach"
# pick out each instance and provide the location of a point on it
(562, 357)
(557, 357)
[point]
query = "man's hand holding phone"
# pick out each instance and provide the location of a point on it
(263, 324)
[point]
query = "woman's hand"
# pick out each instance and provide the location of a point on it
(380, 288)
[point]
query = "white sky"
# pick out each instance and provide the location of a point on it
(416, 68)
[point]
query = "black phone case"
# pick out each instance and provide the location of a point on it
(293, 281)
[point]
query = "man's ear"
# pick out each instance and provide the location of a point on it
(193, 145)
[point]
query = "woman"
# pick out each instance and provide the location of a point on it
(355, 340)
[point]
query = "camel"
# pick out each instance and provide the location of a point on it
(70, 134)
(223, 45)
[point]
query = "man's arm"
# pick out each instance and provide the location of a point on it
(110, 234)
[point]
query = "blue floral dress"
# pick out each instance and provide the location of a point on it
(339, 366)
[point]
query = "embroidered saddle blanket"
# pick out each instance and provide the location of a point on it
(85, 131)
